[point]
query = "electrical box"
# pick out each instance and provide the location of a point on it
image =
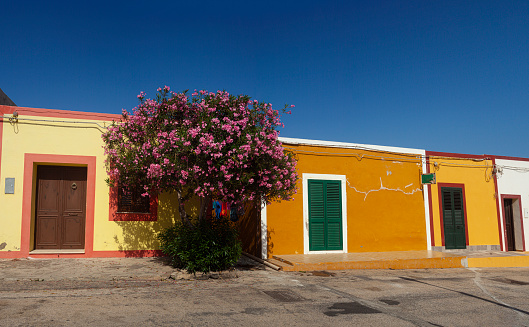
(526, 212)
(10, 186)
(428, 179)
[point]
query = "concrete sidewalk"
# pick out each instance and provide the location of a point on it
(158, 268)
(400, 260)
(84, 269)
(98, 269)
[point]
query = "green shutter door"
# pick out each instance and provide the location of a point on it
(325, 215)
(453, 218)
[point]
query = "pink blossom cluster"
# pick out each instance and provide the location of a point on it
(213, 145)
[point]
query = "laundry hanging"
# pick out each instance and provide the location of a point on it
(224, 210)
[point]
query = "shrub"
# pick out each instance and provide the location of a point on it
(212, 245)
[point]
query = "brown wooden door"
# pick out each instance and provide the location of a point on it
(509, 224)
(60, 208)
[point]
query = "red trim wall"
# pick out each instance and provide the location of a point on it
(95, 254)
(53, 113)
(519, 198)
(30, 162)
(104, 254)
(1, 135)
(441, 213)
(24, 111)
(114, 215)
(510, 158)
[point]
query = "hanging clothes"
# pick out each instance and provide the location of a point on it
(217, 208)
(224, 212)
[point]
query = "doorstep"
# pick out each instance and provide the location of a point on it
(369, 260)
(57, 251)
(401, 260)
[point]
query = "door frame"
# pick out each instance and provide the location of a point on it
(441, 215)
(305, 184)
(504, 230)
(63, 215)
(31, 161)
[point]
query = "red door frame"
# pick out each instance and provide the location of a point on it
(441, 215)
(30, 162)
(504, 231)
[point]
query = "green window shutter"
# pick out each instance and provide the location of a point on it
(334, 215)
(316, 215)
(325, 215)
(453, 218)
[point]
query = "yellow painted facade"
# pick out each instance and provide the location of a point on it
(476, 178)
(383, 194)
(80, 136)
(383, 200)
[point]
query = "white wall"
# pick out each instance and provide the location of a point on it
(514, 180)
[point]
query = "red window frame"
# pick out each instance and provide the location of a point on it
(114, 215)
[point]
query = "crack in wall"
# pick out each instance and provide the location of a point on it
(383, 188)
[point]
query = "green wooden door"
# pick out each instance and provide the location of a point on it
(325, 215)
(453, 218)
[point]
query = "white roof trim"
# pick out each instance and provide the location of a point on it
(296, 141)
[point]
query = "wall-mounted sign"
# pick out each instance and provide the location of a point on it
(428, 179)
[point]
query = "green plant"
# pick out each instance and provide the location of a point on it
(212, 245)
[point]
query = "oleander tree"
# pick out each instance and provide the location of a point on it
(207, 145)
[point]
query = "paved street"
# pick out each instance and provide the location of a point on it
(137, 291)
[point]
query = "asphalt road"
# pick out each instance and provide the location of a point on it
(263, 297)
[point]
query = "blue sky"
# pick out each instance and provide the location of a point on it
(438, 75)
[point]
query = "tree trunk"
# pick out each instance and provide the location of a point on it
(182, 211)
(204, 204)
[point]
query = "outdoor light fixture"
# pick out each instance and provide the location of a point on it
(14, 117)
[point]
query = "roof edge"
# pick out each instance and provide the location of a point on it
(346, 145)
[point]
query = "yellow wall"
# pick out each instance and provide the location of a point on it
(480, 201)
(387, 218)
(80, 139)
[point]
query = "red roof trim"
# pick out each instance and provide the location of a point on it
(511, 158)
(59, 113)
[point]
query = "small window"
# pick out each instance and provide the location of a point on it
(131, 206)
(132, 201)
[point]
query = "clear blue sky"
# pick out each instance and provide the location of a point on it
(439, 75)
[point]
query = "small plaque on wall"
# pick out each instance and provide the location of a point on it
(10, 186)
(428, 179)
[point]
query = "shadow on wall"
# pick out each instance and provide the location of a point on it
(249, 226)
(250, 231)
(269, 243)
(139, 238)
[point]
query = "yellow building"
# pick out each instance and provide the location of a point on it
(55, 201)
(350, 198)
(463, 203)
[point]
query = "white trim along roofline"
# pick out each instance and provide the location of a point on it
(345, 145)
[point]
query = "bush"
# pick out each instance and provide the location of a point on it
(209, 246)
